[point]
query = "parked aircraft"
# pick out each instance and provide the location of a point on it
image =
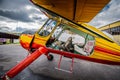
(66, 33)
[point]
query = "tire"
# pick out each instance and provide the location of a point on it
(50, 57)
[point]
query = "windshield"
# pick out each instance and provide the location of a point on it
(47, 28)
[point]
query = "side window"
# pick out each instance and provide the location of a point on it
(66, 38)
(57, 32)
(78, 40)
(47, 28)
(90, 42)
(54, 36)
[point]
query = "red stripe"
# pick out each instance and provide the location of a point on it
(68, 54)
(36, 46)
(108, 51)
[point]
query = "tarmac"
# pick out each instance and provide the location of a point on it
(42, 69)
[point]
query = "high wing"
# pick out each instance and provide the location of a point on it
(75, 10)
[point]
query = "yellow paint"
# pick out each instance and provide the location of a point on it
(117, 39)
(106, 44)
(103, 56)
(83, 11)
(99, 41)
(41, 39)
(26, 38)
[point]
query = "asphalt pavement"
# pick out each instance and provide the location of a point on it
(42, 69)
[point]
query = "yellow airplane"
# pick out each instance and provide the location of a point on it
(66, 30)
(66, 33)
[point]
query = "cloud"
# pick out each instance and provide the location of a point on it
(16, 15)
(18, 10)
(108, 15)
(23, 13)
(13, 4)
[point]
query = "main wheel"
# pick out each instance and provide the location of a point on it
(50, 57)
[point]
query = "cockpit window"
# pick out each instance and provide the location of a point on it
(47, 28)
(67, 38)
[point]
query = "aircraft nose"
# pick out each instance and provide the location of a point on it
(25, 40)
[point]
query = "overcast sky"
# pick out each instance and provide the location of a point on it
(15, 13)
(109, 14)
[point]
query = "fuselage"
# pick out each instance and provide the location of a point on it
(55, 35)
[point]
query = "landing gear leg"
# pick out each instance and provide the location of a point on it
(23, 64)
